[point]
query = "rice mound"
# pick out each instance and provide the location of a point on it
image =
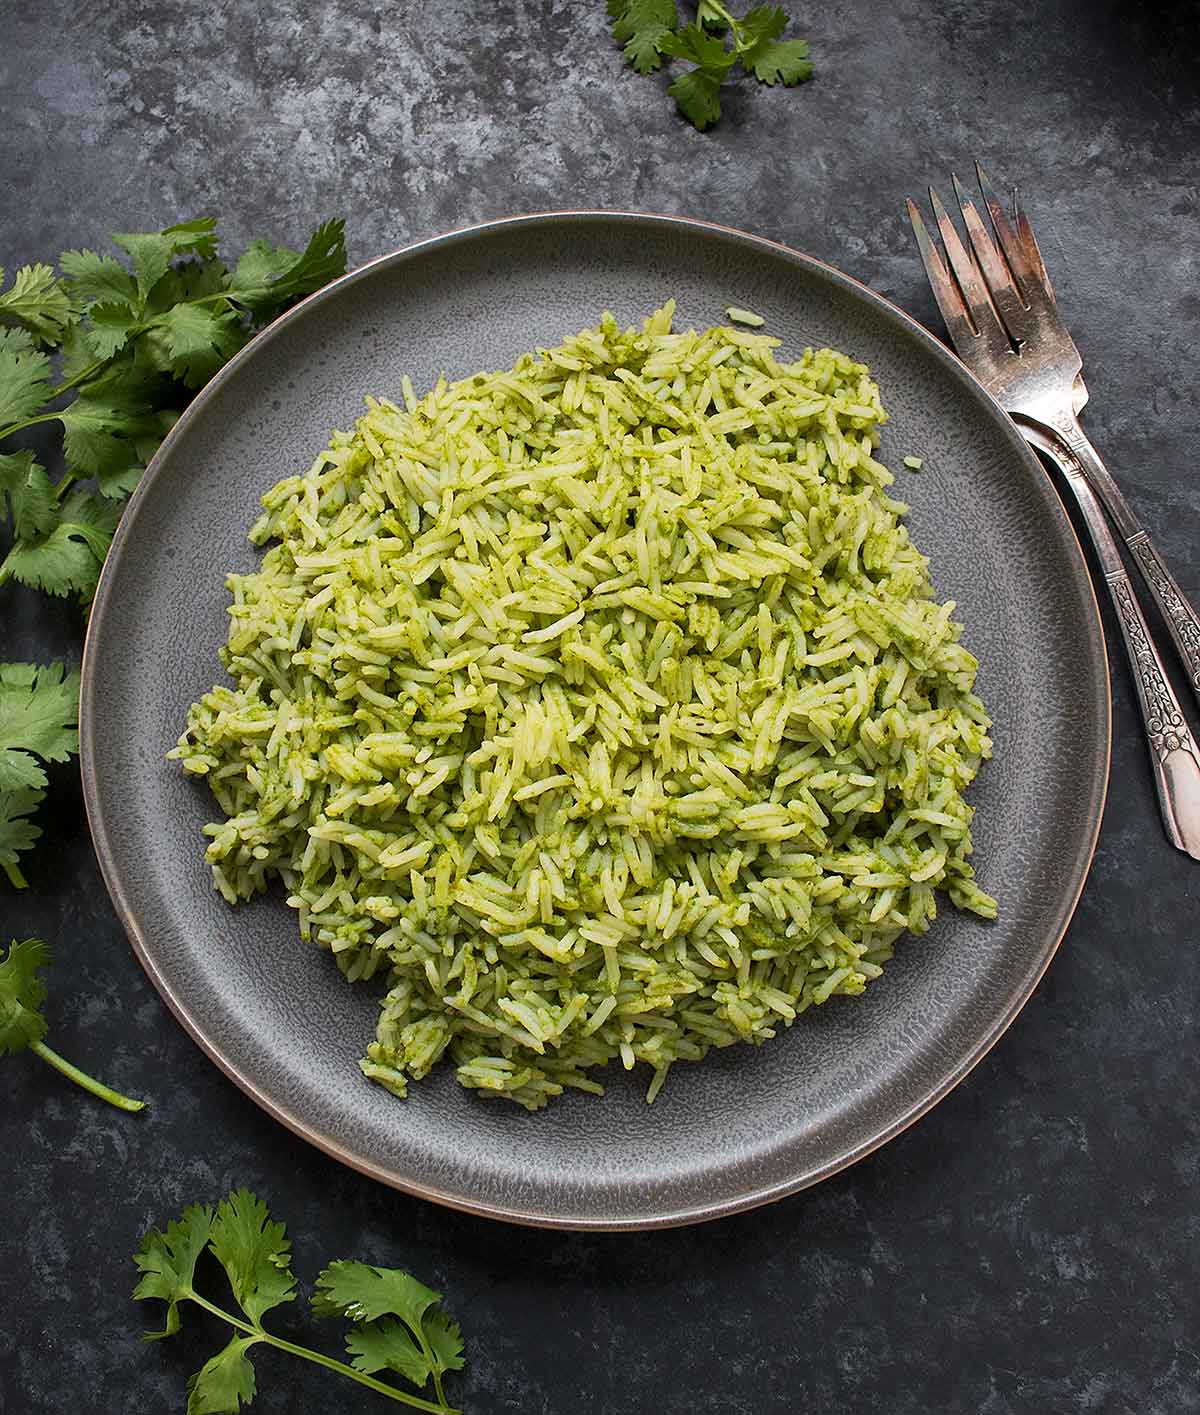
(602, 704)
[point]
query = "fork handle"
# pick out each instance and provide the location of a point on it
(1182, 621)
(1174, 754)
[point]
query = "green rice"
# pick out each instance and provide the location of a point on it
(602, 706)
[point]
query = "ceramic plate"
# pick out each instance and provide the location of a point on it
(749, 1124)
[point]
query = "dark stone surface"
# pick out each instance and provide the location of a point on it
(1029, 1247)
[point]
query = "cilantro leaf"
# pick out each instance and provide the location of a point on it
(628, 16)
(91, 520)
(110, 327)
(255, 1253)
(89, 433)
(117, 480)
(387, 1345)
(197, 237)
(17, 832)
(32, 504)
(783, 62)
(20, 769)
(362, 1293)
(267, 278)
(69, 558)
(24, 370)
(39, 709)
(696, 95)
(153, 251)
(22, 994)
(98, 435)
(167, 1261)
(764, 22)
(445, 1339)
(646, 49)
(323, 259)
(225, 1382)
(190, 280)
(261, 264)
(39, 301)
(98, 278)
(76, 359)
(151, 260)
(198, 341)
(642, 26)
(133, 381)
(701, 48)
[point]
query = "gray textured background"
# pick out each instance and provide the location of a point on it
(1030, 1247)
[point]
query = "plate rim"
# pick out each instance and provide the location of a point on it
(694, 1213)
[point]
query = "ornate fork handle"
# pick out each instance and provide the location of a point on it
(1182, 621)
(1174, 753)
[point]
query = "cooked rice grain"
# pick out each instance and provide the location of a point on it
(601, 704)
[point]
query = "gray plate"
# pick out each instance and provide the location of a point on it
(748, 1125)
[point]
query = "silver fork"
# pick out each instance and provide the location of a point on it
(1003, 319)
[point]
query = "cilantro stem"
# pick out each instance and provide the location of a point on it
(735, 26)
(85, 373)
(429, 1357)
(81, 1078)
(369, 1381)
(437, 1384)
(29, 422)
(15, 877)
(330, 1364)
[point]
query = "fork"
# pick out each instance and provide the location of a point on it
(1003, 319)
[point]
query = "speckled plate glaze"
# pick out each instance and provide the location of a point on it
(748, 1125)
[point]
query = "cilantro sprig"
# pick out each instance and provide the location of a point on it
(22, 1025)
(397, 1324)
(112, 352)
(715, 43)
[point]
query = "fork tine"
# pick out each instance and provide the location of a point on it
(945, 291)
(996, 274)
(970, 281)
(1029, 240)
(1028, 271)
